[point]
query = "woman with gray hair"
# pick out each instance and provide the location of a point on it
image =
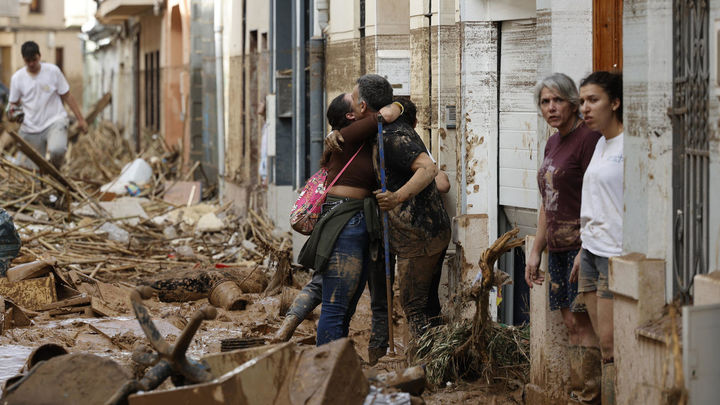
(567, 155)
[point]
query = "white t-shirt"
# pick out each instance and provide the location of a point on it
(601, 210)
(39, 96)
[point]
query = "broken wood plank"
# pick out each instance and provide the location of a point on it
(50, 169)
(34, 269)
(12, 316)
(183, 192)
(40, 161)
(70, 302)
(90, 117)
(67, 310)
(101, 308)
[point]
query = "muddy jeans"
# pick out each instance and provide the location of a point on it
(344, 280)
(311, 296)
(378, 302)
(419, 281)
(52, 139)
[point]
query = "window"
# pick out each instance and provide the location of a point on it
(152, 90)
(35, 6)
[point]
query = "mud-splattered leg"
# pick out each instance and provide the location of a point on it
(308, 298)
(416, 279)
(378, 304)
(344, 280)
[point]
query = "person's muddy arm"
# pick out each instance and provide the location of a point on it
(424, 170)
(442, 182)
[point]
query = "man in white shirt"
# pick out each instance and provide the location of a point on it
(41, 88)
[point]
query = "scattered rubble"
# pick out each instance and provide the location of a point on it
(85, 251)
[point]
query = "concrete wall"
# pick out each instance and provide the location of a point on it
(111, 69)
(48, 29)
(714, 263)
(243, 128)
(647, 77)
(175, 61)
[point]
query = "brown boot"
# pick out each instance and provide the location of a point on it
(287, 329)
(590, 376)
(608, 383)
(576, 383)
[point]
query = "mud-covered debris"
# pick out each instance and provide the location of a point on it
(70, 379)
(9, 241)
(411, 380)
(37, 268)
(228, 295)
(209, 223)
(12, 315)
(183, 193)
(198, 284)
(32, 294)
(383, 396)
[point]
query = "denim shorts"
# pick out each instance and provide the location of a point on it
(563, 293)
(594, 274)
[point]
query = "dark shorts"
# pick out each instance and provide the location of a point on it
(563, 293)
(594, 274)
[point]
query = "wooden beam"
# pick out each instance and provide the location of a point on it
(91, 116)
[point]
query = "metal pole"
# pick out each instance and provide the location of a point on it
(317, 123)
(220, 97)
(386, 239)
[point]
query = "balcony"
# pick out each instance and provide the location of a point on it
(118, 10)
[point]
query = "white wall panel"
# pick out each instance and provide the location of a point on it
(518, 115)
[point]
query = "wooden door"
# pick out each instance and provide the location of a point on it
(607, 35)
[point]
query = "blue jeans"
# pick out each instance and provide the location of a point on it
(344, 280)
(311, 296)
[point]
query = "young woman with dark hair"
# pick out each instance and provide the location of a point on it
(601, 212)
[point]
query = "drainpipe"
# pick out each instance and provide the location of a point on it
(429, 64)
(220, 97)
(317, 56)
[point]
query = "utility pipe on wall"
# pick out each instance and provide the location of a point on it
(220, 97)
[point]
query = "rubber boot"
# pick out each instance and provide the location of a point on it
(287, 329)
(608, 383)
(575, 384)
(590, 376)
(375, 354)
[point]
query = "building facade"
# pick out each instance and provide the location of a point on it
(44, 22)
(243, 86)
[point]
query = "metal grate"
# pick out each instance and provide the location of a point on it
(230, 344)
(691, 148)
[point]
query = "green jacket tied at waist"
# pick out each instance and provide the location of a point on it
(317, 249)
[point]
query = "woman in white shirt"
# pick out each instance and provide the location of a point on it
(601, 211)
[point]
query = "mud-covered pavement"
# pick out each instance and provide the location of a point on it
(115, 338)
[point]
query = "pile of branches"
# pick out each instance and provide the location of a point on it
(69, 224)
(478, 347)
(97, 157)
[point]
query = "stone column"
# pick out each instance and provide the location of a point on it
(549, 366)
(640, 349)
